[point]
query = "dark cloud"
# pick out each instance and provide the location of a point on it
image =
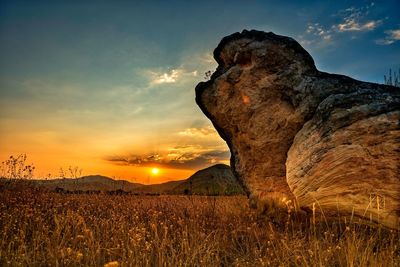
(188, 160)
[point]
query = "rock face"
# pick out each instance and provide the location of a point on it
(300, 137)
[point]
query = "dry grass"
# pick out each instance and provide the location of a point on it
(39, 229)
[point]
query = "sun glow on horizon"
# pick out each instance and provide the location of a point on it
(155, 171)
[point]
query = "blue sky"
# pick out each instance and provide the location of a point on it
(85, 81)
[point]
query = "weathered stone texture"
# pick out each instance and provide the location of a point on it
(299, 134)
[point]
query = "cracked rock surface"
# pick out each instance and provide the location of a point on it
(302, 137)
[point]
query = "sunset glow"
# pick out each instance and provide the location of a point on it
(91, 86)
(199, 133)
(155, 171)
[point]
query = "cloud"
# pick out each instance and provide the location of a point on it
(207, 131)
(166, 77)
(182, 157)
(355, 19)
(191, 68)
(319, 31)
(317, 34)
(352, 23)
(349, 20)
(391, 37)
(170, 76)
(207, 58)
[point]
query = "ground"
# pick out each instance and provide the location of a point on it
(47, 228)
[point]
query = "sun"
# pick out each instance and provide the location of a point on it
(155, 171)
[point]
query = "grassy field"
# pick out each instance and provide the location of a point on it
(40, 229)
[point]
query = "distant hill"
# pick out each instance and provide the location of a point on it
(85, 183)
(93, 182)
(158, 188)
(215, 180)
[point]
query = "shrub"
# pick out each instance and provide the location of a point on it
(16, 167)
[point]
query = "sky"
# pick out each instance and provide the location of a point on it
(108, 86)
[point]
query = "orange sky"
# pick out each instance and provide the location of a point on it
(122, 154)
(105, 111)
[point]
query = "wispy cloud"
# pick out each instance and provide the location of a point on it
(356, 19)
(170, 76)
(191, 69)
(391, 37)
(207, 58)
(179, 157)
(166, 77)
(200, 132)
(353, 25)
(316, 35)
(350, 20)
(318, 32)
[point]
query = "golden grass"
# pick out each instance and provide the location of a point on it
(40, 229)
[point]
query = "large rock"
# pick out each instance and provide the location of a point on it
(304, 138)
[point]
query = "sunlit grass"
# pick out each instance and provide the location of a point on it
(39, 228)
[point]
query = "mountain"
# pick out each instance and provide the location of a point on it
(85, 183)
(158, 188)
(214, 180)
(95, 182)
